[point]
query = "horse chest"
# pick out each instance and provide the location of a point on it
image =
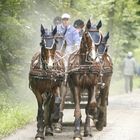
(86, 79)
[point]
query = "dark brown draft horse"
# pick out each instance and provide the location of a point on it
(105, 78)
(84, 74)
(45, 79)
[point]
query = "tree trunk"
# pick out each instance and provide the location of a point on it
(72, 4)
(111, 14)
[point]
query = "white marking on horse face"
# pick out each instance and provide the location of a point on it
(93, 56)
(50, 61)
(108, 59)
(97, 59)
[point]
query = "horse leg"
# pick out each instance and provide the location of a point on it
(58, 125)
(57, 117)
(48, 108)
(104, 99)
(40, 118)
(91, 111)
(77, 114)
(87, 127)
(106, 92)
(100, 121)
(102, 109)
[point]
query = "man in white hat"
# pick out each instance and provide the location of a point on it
(129, 69)
(71, 35)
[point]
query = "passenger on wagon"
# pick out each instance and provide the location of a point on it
(79, 25)
(71, 36)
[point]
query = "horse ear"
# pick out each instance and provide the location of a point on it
(106, 37)
(99, 25)
(54, 31)
(42, 30)
(88, 25)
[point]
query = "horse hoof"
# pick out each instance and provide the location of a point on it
(49, 132)
(77, 138)
(39, 138)
(87, 134)
(98, 126)
(105, 124)
(58, 130)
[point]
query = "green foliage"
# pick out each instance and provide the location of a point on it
(20, 22)
(14, 111)
(137, 55)
(13, 117)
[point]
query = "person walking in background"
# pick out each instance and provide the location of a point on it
(129, 69)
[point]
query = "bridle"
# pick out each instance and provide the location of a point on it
(90, 31)
(45, 45)
(57, 37)
(101, 49)
(88, 48)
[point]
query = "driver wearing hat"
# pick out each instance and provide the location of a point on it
(71, 35)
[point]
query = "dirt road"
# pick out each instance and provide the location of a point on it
(123, 122)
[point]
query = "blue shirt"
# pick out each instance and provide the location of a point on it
(71, 36)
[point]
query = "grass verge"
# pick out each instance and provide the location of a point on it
(14, 113)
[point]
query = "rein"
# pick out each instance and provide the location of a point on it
(63, 57)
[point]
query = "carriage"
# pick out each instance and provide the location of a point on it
(89, 72)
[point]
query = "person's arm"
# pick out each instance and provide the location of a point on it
(135, 66)
(76, 39)
(122, 65)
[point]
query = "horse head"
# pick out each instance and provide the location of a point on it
(102, 54)
(60, 41)
(90, 40)
(48, 47)
(94, 31)
(102, 47)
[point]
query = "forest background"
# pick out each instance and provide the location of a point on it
(20, 22)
